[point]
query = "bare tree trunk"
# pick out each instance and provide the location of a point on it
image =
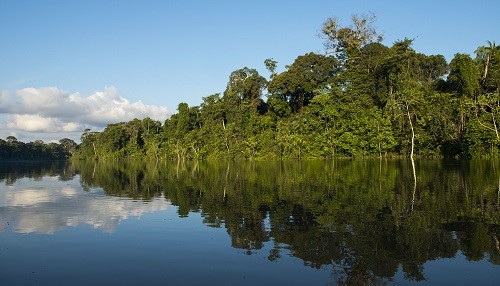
(487, 127)
(412, 131)
(225, 135)
(486, 66)
(95, 149)
(462, 122)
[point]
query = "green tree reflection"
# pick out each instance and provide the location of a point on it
(366, 219)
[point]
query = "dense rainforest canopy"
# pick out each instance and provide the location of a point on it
(358, 99)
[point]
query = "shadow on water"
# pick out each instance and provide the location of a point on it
(364, 219)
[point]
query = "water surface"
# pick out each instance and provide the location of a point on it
(341, 222)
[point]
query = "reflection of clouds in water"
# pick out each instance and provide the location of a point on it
(50, 207)
(27, 197)
(68, 192)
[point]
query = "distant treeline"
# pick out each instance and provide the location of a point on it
(358, 99)
(13, 149)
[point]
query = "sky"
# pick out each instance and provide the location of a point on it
(70, 65)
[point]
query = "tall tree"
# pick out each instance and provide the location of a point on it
(307, 75)
(178, 129)
(11, 139)
(271, 66)
(245, 86)
(485, 53)
(344, 42)
(364, 80)
(407, 81)
(488, 58)
(89, 143)
(464, 76)
(69, 145)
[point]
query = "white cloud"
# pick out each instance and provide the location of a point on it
(71, 127)
(46, 98)
(51, 110)
(37, 123)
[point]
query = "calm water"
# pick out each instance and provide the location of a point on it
(275, 223)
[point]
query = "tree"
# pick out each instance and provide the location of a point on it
(11, 139)
(245, 84)
(279, 106)
(485, 53)
(490, 104)
(433, 67)
(213, 135)
(178, 129)
(68, 145)
(151, 135)
(345, 42)
(88, 145)
(322, 127)
(464, 76)
(406, 84)
(244, 89)
(271, 65)
(115, 138)
(488, 57)
(308, 73)
(364, 80)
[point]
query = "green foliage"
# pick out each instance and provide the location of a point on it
(488, 58)
(271, 66)
(13, 149)
(364, 99)
(345, 42)
(134, 139)
(298, 84)
(464, 76)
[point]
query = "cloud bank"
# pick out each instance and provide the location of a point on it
(52, 110)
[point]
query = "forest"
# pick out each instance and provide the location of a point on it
(360, 98)
(13, 149)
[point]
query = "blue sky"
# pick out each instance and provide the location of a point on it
(116, 60)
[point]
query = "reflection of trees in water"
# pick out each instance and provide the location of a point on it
(11, 171)
(133, 179)
(365, 219)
